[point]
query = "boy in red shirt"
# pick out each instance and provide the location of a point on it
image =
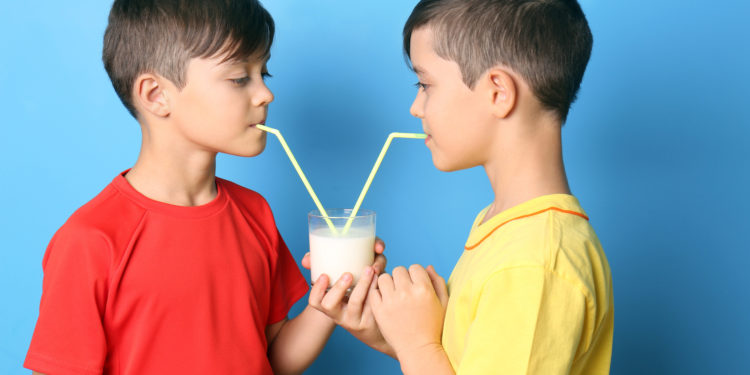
(171, 269)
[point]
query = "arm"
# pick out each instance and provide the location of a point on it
(294, 344)
(409, 309)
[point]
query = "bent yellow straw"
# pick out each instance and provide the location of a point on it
(375, 170)
(322, 210)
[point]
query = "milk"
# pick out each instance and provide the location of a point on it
(335, 254)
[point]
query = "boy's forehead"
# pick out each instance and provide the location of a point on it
(421, 44)
(421, 50)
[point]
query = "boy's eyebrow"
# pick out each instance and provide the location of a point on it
(419, 71)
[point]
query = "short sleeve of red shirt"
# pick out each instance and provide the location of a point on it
(76, 268)
(288, 284)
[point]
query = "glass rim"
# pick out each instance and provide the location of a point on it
(340, 213)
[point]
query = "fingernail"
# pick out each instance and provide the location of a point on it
(368, 271)
(346, 277)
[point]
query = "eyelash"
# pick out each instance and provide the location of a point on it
(244, 80)
(420, 85)
(241, 81)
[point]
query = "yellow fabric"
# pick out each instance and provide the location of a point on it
(534, 297)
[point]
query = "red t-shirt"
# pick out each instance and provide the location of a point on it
(136, 286)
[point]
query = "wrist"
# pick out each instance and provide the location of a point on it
(320, 317)
(415, 359)
(385, 348)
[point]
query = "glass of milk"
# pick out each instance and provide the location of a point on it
(334, 254)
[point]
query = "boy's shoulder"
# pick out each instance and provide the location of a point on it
(108, 209)
(560, 241)
(244, 197)
(551, 233)
(239, 191)
(96, 227)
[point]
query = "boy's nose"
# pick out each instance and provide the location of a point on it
(417, 107)
(264, 97)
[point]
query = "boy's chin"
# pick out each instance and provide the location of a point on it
(445, 167)
(449, 166)
(442, 168)
(249, 152)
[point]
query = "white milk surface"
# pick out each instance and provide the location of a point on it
(334, 255)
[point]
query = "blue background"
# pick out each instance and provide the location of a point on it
(656, 149)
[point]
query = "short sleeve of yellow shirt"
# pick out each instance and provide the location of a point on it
(531, 294)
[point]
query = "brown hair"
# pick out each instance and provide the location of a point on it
(547, 42)
(161, 36)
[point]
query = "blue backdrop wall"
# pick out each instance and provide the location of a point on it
(656, 149)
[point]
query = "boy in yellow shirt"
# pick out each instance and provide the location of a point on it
(532, 291)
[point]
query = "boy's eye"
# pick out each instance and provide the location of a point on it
(241, 81)
(420, 85)
(265, 75)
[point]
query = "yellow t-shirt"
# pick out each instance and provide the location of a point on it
(531, 294)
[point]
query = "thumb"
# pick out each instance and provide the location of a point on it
(438, 283)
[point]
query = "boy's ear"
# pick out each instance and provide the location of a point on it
(150, 94)
(503, 92)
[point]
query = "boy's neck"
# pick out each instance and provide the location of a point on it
(526, 163)
(170, 171)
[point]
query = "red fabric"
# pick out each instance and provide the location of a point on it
(136, 286)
